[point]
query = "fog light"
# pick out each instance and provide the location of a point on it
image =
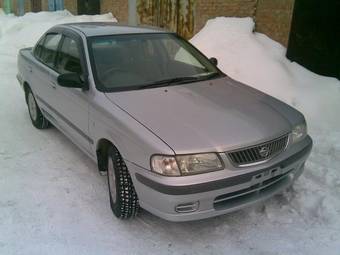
(291, 176)
(187, 207)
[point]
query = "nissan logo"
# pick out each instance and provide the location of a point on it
(264, 151)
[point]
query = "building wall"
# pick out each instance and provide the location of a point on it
(14, 7)
(7, 6)
(44, 5)
(28, 7)
(71, 6)
(118, 8)
(206, 10)
(274, 17)
(1, 4)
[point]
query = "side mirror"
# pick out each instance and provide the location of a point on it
(213, 61)
(70, 80)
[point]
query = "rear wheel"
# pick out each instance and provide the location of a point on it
(38, 120)
(123, 197)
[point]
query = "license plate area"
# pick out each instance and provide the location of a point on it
(265, 175)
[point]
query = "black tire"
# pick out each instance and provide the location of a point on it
(123, 197)
(37, 118)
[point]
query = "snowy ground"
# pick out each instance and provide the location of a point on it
(52, 200)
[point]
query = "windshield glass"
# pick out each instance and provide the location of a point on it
(125, 62)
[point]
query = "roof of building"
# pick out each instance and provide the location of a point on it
(110, 28)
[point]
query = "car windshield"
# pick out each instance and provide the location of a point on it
(138, 61)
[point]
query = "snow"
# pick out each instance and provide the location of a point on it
(53, 201)
(256, 60)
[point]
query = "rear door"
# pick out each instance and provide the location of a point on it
(42, 86)
(71, 104)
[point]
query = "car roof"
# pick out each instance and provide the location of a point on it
(110, 28)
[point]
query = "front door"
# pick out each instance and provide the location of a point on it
(71, 104)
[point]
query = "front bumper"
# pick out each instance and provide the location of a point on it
(220, 192)
(20, 80)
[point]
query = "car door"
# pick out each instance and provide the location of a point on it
(40, 73)
(71, 104)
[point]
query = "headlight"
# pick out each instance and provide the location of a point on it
(299, 132)
(186, 164)
(165, 165)
(197, 163)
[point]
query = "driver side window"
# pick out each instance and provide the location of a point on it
(47, 51)
(68, 60)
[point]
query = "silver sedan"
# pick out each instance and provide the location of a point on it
(173, 134)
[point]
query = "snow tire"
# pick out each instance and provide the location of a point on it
(37, 118)
(123, 197)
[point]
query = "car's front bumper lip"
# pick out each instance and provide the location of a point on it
(218, 184)
(20, 80)
(163, 195)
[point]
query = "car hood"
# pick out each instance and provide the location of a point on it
(215, 115)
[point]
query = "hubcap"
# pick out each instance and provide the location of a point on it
(112, 181)
(32, 106)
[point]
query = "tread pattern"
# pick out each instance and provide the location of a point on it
(126, 205)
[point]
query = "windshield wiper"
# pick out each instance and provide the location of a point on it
(180, 80)
(170, 81)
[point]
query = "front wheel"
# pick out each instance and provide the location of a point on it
(123, 197)
(38, 120)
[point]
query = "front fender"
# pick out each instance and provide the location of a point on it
(134, 141)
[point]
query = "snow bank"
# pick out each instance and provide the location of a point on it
(256, 60)
(24, 31)
(260, 62)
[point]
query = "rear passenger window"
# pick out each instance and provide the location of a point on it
(48, 51)
(38, 49)
(69, 57)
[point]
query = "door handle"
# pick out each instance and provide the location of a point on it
(53, 84)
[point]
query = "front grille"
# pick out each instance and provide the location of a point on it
(258, 153)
